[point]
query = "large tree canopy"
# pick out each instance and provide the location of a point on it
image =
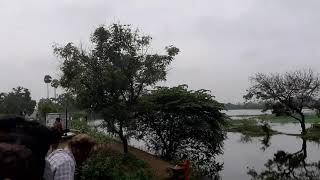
(293, 90)
(114, 73)
(18, 102)
(177, 121)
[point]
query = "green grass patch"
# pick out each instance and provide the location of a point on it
(287, 119)
(83, 127)
(313, 134)
(108, 164)
(250, 127)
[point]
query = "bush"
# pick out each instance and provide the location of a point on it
(251, 127)
(83, 127)
(106, 164)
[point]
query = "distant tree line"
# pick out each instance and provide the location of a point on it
(54, 105)
(247, 105)
(18, 102)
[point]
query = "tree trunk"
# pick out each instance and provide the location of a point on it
(304, 148)
(124, 142)
(303, 124)
(48, 90)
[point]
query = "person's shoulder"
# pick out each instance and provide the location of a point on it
(60, 156)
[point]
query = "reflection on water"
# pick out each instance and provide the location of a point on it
(244, 153)
(246, 112)
(289, 166)
(255, 112)
(291, 128)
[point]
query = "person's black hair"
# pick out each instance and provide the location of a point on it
(58, 119)
(7, 123)
(16, 162)
(33, 135)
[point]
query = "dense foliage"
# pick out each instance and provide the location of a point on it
(55, 85)
(83, 127)
(110, 77)
(46, 106)
(177, 121)
(293, 90)
(18, 102)
(107, 164)
(60, 104)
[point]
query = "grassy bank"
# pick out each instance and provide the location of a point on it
(108, 161)
(82, 127)
(286, 119)
(110, 164)
(313, 134)
(250, 127)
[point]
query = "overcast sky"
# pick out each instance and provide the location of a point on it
(222, 42)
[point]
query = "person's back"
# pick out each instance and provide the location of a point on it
(60, 165)
(61, 162)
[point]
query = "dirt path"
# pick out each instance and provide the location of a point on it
(157, 165)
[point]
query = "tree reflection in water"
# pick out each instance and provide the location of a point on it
(265, 141)
(288, 166)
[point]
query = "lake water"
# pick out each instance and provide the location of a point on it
(246, 112)
(241, 153)
(238, 155)
(255, 112)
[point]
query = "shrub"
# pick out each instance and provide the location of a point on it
(83, 127)
(106, 164)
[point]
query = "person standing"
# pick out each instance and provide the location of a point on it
(61, 163)
(58, 125)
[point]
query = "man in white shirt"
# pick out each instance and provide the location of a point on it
(61, 163)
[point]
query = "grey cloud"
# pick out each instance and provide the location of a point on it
(222, 42)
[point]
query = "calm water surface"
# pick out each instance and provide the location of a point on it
(238, 156)
(241, 153)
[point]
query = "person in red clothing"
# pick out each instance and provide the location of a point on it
(58, 125)
(182, 170)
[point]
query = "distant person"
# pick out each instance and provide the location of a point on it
(182, 170)
(61, 163)
(23, 148)
(58, 126)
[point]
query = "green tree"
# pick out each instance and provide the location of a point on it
(177, 121)
(47, 79)
(17, 102)
(111, 76)
(277, 109)
(66, 101)
(46, 106)
(55, 85)
(293, 90)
